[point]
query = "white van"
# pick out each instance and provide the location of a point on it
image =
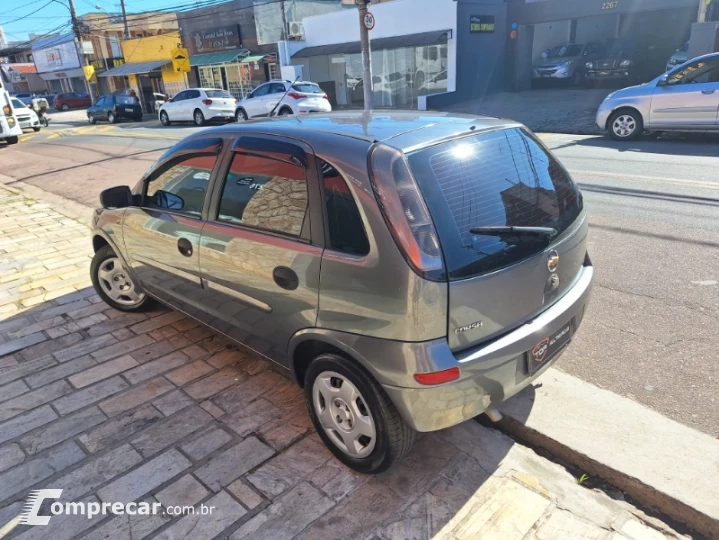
(10, 129)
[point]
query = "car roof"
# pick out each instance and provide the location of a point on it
(406, 129)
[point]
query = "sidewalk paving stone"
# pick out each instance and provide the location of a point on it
(111, 406)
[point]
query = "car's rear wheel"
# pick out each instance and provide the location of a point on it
(164, 119)
(199, 118)
(36, 129)
(114, 284)
(65, 107)
(625, 125)
(285, 111)
(111, 117)
(240, 115)
(577, 78)
(353, 415)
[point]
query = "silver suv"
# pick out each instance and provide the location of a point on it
(408, 270)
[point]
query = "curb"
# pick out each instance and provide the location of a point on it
(617, 442)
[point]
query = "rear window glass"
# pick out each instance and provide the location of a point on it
(126, 100)
(218, 94)
(502, 178)
(308, 88)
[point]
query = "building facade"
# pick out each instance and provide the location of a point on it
(58, 64)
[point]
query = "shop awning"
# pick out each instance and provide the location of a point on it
(394, 42)
(133, 69)
(256, 58)
(220, 57)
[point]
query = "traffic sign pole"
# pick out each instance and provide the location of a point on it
(366, 24)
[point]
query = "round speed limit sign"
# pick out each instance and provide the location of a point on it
(368, 21)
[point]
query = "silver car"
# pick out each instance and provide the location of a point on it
(408, 270)
(685, 99)
(566, 62)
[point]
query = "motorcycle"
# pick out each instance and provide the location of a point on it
(42, 116)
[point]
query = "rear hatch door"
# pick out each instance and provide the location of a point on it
(221, 100)
(501, 178)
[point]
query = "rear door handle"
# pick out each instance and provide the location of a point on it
(185, 247)
(285, 278)
(708, 91)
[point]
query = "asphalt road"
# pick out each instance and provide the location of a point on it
(652, 330)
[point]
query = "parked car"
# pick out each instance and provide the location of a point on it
(25, 97)
(26, 117)
(159, 100)
(621, 63)
(72, 100)
(566, 62)
(679, 57)
(114, 108)
(407, 310)
(300, 98)
(198, 105)
(685, 99)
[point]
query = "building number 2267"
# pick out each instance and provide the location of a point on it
(610, 5)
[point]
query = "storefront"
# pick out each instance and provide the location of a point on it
(58, 64)
(145, 78)
(235, 71)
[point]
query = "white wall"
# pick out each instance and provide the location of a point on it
(396, 18)
(547, 35)
(597, 28)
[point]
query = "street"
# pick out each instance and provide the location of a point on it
(651, 332)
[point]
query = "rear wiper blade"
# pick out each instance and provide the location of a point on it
(549, 232)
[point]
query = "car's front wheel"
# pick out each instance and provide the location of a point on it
(354, 416)
(65, 107)
(114, 284)
(625, 125)
(240, 115)
(91, 119)
(164, 119)
(12, 140)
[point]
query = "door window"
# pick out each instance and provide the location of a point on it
(102, 101)
(266, 193)
(344, 222)
(193, 94)
(277, 88)
(180, 97)
(182, 186)
(698, 71)
(261, 91)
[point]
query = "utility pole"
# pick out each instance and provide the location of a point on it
(702, 13)
(366, 54)
(124, 18)
(78, 46)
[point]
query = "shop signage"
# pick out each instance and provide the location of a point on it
(216, 39)
(59, 57)
(481, 24)
(108, 63)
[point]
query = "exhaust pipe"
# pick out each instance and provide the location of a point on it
(493, 414)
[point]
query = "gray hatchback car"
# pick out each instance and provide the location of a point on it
(408, 270)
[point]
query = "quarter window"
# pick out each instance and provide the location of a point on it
(344, 222)
(182, 187)
(265, 193)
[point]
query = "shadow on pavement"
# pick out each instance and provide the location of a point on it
(645, 194)
(679, 144)
(114, 377)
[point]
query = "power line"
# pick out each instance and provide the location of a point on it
(24, 6)
(26, 16)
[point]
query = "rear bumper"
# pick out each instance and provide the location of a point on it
(492, 373)
(212, 114)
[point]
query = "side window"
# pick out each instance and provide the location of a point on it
(193, 94)
(182, 187)
(180, 97)
(344, 222)
(261, 90)
(264, 192)
(277, 88)
(699, 71)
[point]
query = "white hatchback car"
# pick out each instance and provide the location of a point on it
(26, 117)
(300, 98)
(198, 105)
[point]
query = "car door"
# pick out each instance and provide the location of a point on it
(172, 107)
(259, 266)
(190, 103)
(255, 106)
(688, 97)
(162, 235)
(101, 108)
(277, 91)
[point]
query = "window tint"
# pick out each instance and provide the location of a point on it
(277, 88)
(343, 218)
(218, 94)
(126, 100)
(179, 97)
(183, 186)
(504, 178)
(261, 90)
(705, 70)
(193, 94)
(265, 193)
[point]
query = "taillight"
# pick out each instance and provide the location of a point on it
(405, 211)
(437, 377)
(207, 101)
(325, 97)
(296, 95)
(237, 101)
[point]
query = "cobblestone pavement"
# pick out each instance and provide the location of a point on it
(114, 407)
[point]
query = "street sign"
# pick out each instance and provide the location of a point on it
(368, 21)
(181, 60)
(89, 72)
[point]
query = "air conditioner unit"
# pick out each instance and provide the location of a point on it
(297, 30)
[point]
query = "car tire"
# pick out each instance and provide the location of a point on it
(577, 79)
(240, 115)
(12, 140)
(369, 411)
(91, 119)
(625, 125)
(165, 119)
(198, 118)
(285, 111)
(104, 268)
(112, 118)
(36, 129)
(65, 107)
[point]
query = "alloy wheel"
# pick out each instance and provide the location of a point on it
(344, 414)
(117, 284)
(624, 126)
(199, 118)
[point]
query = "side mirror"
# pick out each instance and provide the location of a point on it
(249, 96)
(116, 197)
(662, 81)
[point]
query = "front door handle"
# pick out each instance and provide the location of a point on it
(708, 91)
(286, 278)
(185, 247)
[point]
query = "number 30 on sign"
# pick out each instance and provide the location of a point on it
(368, 21)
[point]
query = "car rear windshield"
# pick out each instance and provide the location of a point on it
(126, 100)
(502, 178)
(307, 88)
(218, 94)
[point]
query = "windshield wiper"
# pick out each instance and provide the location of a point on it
(549, 232)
